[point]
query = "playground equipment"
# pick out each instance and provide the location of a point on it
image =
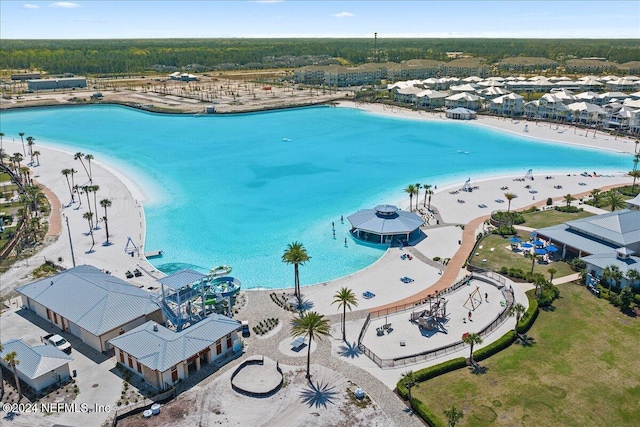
(529, 175)
(131, 247)
(432, 318)
(474, 300)
(467, 185)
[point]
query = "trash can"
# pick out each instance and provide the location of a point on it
(75, 374)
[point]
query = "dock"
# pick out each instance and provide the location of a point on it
(153, 254)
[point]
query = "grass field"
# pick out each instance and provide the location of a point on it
(551, 217)
(582, 371)
(502, 255)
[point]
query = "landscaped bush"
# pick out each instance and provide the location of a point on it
(425, 413)
(577, 264)
(568, 209)
(503, 342)
(432, 372)
(548, 293)
(549, 201)
(504, 230)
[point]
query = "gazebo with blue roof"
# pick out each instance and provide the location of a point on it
(385, 224)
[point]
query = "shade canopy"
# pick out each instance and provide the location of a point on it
(538, 243)
(552, 248)
(527, 245)
(515, 240)
(540, 251)
(385, 220)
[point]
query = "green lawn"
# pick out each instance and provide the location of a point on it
(551, 217)
(502, 255)
(582, 371)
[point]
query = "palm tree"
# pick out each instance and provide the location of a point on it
(87, 189)
(427, 190)
(417, 193)
(409, 380)
(80, 156)
(30, 143)
(633, 275)
(569, 198)
(472, 339)
(595, 193)
(24, 153)
(509, 197)
(296, 254)
(36, 154)
(534, 258)
(66, 173)
(88, 158)
(11, 359)
(345, 298)
(105, 203)
(411, 190)
(453, 415)
(635, 174)
(94, 190)
(89, 217)
(636, 159)
(551, 272)
(614, 200)
(3, 155)
(314, 326)
(637, 143)
(517, 310)
(17, 158)
(1, 136)
(76, 188)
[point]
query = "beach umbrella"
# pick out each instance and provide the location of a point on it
(527, 245)
(538, 243)
(534, 233)
(515, 240)
(552, 248)
(540, 251)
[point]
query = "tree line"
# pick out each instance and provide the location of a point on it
(138, 55)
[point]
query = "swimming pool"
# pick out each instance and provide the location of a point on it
(237, 189)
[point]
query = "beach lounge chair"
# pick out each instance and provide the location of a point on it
(368, 294)
(406, 279)
(128, 274)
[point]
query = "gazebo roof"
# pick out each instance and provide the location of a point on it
(384, 221)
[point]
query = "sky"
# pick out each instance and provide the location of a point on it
(297, 18)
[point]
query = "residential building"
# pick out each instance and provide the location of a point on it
(591, 66)
(61, 83)
(526, 64)
(431, 98)
(465, 100)
(465, 67)
(511, 105)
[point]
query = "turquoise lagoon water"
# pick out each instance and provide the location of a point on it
(237, 189)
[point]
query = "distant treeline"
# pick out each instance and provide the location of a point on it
(129, 56)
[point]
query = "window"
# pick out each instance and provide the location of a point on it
(229, 343)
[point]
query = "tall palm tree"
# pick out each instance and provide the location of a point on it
(409, 380)
(635, 174)
(472, 339)
(30, 143)
(509, 197)
(80, 156)
(37, 154)
(453, 415)
(11, 359)
(105, 203)
(636, 159)
(1, 350)
(568, 199)
(417, 193)
(3, 155)
(411, 190)
(76, 188)
(615, 200)
(551, 272)
(66, 173)
(637, 143)
(633, 275)
(87, 189)
(314, 326)
(427, 190)
(24, 153)
(89, 217)
(296, 254)
(94, 190)
(517, 310)
(88, 158)
(595, 193)
(17, 158)
(345, 298)
(1, 136)
(612, 274)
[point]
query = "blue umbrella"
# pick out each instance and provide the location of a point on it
(527, 245)
(538, 243)
(534, 233)
(552, 248)
(515, 240)
(540, 251)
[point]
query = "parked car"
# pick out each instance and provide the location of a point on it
(245, 328)
(58, 342)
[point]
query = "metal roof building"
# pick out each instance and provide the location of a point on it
(385, 224)
(162, 356)
(90, 304)
(40, 366)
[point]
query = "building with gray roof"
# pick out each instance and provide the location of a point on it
(385, 224)
(162, 356)
(40, 366)
(609, 239)
(92, 305)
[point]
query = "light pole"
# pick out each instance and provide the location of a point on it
(73, 258)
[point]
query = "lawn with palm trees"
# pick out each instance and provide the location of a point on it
(582, 370)
(541, 219)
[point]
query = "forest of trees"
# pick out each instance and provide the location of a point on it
(129, 56)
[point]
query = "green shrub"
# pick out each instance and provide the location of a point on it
(529, 317)
(547, 295)
(425, 413)
(549, 201)
(436, 258)
(577, 264)
(503, 342)
(568, 209)
(432, 372)
(636, 299)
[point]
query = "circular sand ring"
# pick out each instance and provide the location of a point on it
(257, 377)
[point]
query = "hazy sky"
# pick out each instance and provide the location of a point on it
(296, 18)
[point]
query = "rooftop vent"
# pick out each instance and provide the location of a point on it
(155, 327)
